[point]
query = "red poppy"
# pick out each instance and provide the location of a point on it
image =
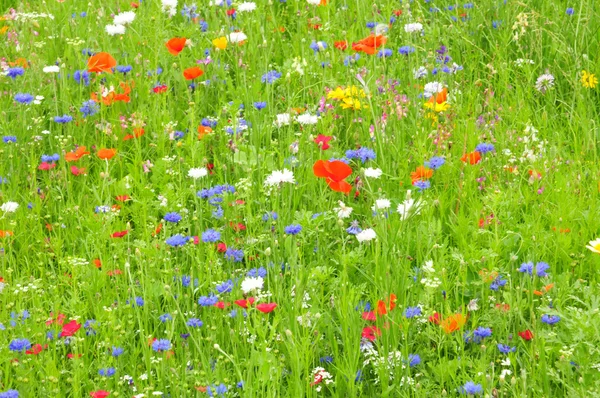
(221, 304)
(114, 273)
(526, 335)
(334, 172)
(106, 154)
(221, 247)
(136, 134)
(237, 227)
(245, 303)
(440, 97)
(266, 307)
(60, 319)
(101, 62)
(231, 12)
(157, 230)
(323, 141)
(76, 154)
(160, 88)
(192, 73)
(435, 318)
(473, 157)
(420, 174)
(119, 234)
(35, 349)
(370, 333)
(369, 44)
(341, 45)
(203, 130)
(503, 307)
(46, 166)
(70, 328)
(77, 171)
(453, 323)
(369, 316)
(176, 45)
(99, 394)
(97, 263)
(134, 5)
(381, 308)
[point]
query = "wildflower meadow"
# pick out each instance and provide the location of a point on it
(299, 198)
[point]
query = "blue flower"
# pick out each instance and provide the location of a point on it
(470, 388)
(82, 76)
(234, 254)
(540, 269)
(63, 119)
(481, 333)
(165, 317)
(484, 147)
(292, 229)
(270, 77)
(208, 301)
(213, 391)
(550, 319)
(364, 154)
(173, 217)
(139, 302)
(124, 69)
(225, 287)
(186, 280)
(317, 46)
(505, 349)
(14, 72)
(177, 240)
(405, 50)
(435, 162)
(9, 394)
(570, 11)
(414, 360)
(422, 184)
(270, 215)
(161, 345)
(384, 53)
(24, 98)
(117, 351)
(107, 372)
(354, 228)
(326, 359)
(19, 345)
(526, 268)
(89, 108)
(259, 105)
(210, 235)
(412, 312)
(371, 25)
(498, 283)
(195, 323)
(9, 138)
(254, 272)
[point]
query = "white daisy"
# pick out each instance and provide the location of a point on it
(114, 30)
(594, 245)
(544, 83)
(432, 88)
(278, 177)
(381, 204)
(51, 69)
(306, 119)
(198, 172)
(283, 119)
(170, 7)
(249, 284)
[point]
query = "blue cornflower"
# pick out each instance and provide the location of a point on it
(139, 302)
(468, 6)
(225, 287)
(117, 351)
(550, 319)
(317, 46)
(82, 76)
(526, 268)
(217, 213)
(9, 394)
(14, 72)
(484, 147)
(364, 154)
(482, 333)
(293, 229)
(570, 11)
(351, 59)
(177, 240)
(270, 77)
(495, 24)
(213, 391)
(207, 301)
(470, 388)
(195, 323)
(260, 105)
(186, 280)
(414, 360)
(63, 119)
(9, 138)
(19, 345)
(161, 345)
(505, 349)
(405, 50)
(326, 359)
(206, 122)
(540, 269)
(89, 108)
(210, 235)
(107, 372)
(435, 162)
(498, 283)
(359, 376)
(270, 215)
(240, 384)
(254, 272)
(384, 53)
(412, 312)
(237, 255)
(89, 327)
(422, 184)
(24, 98)
(172, 217)
(124, 68)
(203, 26)
(371, 25)
(354, 228)
(165, 317)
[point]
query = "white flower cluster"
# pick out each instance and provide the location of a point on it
(119, 22)
(320, 377)
(430, 280)
(278, 177)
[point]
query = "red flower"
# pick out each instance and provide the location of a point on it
(160, 89)
(369, 44)
(237, 227)
(369, 316)
(98, 263)
(60, 319)
(334, 172)
(266, 307)
(35, 349)
(371, 332)
(221, 247)
(119, 234)
(341, 45)
(245, 303)
(526, 335)
(435, 318)
(192, 73)
(122, 198)
(101, 62)
(46, 166)
(231, 11)
(72, 356)
(99, 394)
(176, 45)
(70, 328)
(77, 171)
(473, 157)
(323, 141)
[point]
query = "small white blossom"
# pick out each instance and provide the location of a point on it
(198, 172)
(373, 173)
(366, 235)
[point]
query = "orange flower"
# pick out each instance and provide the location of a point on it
(77, 171)
(101, 62)
(420, 174)
(109, 97)
(341, 45)
(176, 45)
(440, 97)
(76, 154)
(106, 154)
(544, 290)
(4, 234)
(22, 62)
(192, 73)
(334, 172)
(203, 130)
(369, 44)
(473, 157)
(453, 323)
(138, 132)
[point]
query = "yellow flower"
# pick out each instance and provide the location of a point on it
(588, 80)
(351, 103)
(3, 30)
(337, 94)
(220, 43)
(437, 107)
(594, 246)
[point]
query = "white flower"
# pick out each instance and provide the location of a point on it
(9, 207)
(366, 235)
(432, 88)
(246, 6)
(144, 376)
(381, 204)
(38, 99)
(404, 208)
(249, 284)
(473, 306)
(420, 73)
(115, 30)
(283, 119)
(170, 7)
(521, 61)
(51, 69)
(314, 2)
(236, 37)
(428, 267)
(544, 83)
(413, 27)
(594, 245)
(381, 29)
(277, 177)
(343, 211)
(124, 18)
(215, 3)
(307, 118)
(373, 173)
(198, 172)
